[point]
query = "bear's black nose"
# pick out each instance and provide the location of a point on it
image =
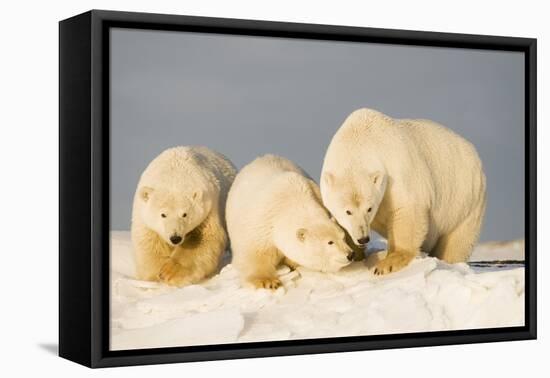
(363, 241)
(175, 239)
(351, 256)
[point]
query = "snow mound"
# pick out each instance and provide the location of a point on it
(428, 295)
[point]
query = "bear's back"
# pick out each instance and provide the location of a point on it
(400, 145)
(427, 162)
(453, 166)
(448, 156)
(365, 133)
(262, 174)
(263, 184)
(188, 165)
(267, 166)
(432, 137)
(221, 167)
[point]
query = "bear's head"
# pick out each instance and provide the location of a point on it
(317, 245)
(354, 200)
(172, 215)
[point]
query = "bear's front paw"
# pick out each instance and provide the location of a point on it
(173, 274)
(291, 264)
(393, 262)
(266, 282)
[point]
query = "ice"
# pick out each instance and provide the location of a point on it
(428, 295)
(190, 298)
(204, 328)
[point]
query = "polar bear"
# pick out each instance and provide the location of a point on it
(415, 182)
(275, 215)
(178, 219)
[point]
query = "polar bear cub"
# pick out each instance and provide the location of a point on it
(178, 219)
(275, 215)
(415, 182)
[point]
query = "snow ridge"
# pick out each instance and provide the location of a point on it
(428, 295)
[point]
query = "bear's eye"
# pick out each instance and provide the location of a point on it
(330, 242)
(369, 210)
(348, 212)
(163, 215)
(184, 215)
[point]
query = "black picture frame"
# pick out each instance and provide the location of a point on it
(84, 187)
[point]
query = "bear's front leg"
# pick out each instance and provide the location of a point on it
(175, 274)
(259, 268)
(266, 282)
(394, 261)
(197, 258)
(264, 276)
(151, 252)
(291, 264)
(407, 229)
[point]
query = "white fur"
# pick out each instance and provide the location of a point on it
(424, 184)
(274, 215)
(181, 193)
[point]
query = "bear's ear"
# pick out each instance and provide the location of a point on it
(197, 196)
(376, 177)
(328, 178)
(301, 234)
(145, 193)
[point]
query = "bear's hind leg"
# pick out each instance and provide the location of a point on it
(457, 245)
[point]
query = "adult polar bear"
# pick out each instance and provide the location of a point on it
(415, 182)
(275, 215)
(178, 219)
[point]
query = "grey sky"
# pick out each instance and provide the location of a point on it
(246, 96)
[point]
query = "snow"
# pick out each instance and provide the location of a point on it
(428, 295)
(503, 251)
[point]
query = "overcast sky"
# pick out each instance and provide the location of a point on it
(246, 96)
